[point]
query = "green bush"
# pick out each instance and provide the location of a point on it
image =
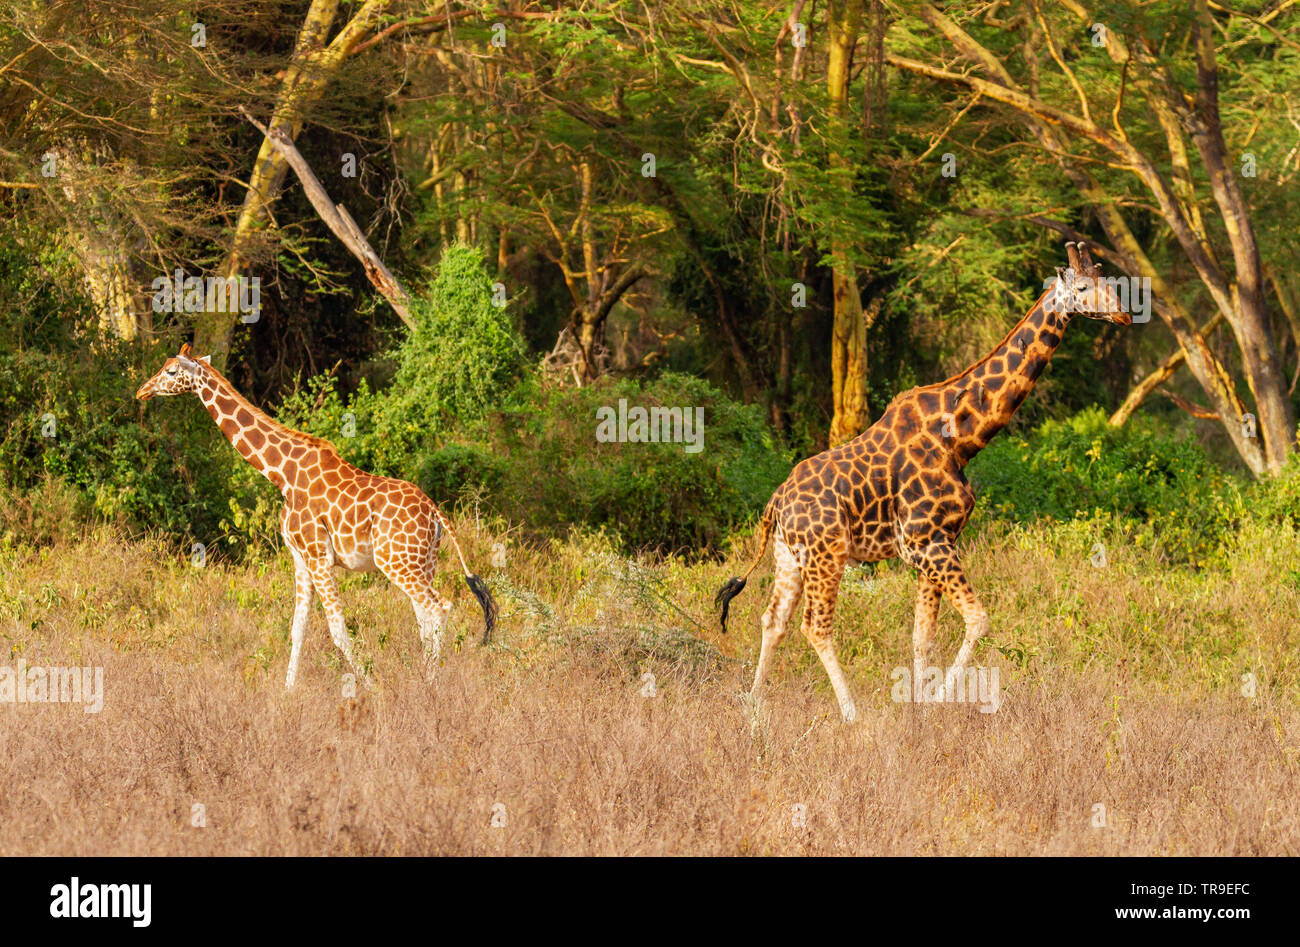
(163, 466)
(455, 471)
(71, 421)
(1276, 500)
(536, 459)
(1082, 467)
(651, 495)
(450, 371)
(463, 419)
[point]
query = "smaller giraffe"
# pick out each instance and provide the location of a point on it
(897, 489)
(334, 514)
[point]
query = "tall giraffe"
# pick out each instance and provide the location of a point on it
(334, 513)
(897, 490)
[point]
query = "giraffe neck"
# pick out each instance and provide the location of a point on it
(982, 399)
(277, 452)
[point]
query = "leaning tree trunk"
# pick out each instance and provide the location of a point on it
(311, 69)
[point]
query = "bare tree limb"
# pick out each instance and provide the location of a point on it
(336, 217)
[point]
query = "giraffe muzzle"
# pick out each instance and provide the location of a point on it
(145, 392)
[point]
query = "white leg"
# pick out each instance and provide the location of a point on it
(302, 592)
(927, 615)
(431, 621)
(977, 626)
(825, 648)
(415, 578)
(328, 591)
(818, 614)
(787, 587)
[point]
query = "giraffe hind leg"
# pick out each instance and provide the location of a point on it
(928, 596)
(787, 588)
(415, 577)
(821, 589)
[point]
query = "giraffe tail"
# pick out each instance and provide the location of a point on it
(475, 583)
(736, 584)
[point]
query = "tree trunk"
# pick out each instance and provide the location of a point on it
(311, 69)
(1241, 304)
(849, 335)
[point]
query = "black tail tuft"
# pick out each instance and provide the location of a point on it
(480, 590)
(725, 595)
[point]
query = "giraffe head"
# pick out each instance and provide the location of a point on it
(179, 374)
(1081, 288)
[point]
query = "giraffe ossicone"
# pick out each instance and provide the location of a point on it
(898, 491)
(334, 515)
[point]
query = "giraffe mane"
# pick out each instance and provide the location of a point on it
(978, 362)
(310, 440)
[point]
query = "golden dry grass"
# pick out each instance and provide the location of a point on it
(1121, 688)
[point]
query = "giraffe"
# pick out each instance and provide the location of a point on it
(334, 514)
(898, 491)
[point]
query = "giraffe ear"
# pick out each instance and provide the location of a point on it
(185, 350)
(206, 359)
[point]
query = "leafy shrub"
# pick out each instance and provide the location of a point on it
(537, 461)
(449, 371)
(71, 421)
(1082, 466)
(1276, 500)
(651, 495)
(455, 470)
(462, 419)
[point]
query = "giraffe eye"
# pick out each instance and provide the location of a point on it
(171, 371)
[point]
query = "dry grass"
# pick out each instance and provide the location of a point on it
(1121, 688)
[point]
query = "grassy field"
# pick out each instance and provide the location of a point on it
(1122, 688)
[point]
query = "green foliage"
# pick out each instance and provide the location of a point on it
(464, 350)
(450, 371)
(537, 461)
(69, 415)
(1083, 467)
(553, 472)
(461, 469)
(1276, 500)
(461, 421)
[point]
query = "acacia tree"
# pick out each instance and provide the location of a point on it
(318, 55)
(112, 139)
(1120, 128)
(849, 336)
(525, 138)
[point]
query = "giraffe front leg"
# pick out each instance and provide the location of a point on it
(327, 589)
(928, 596)
(302, 592)
(940, 564)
